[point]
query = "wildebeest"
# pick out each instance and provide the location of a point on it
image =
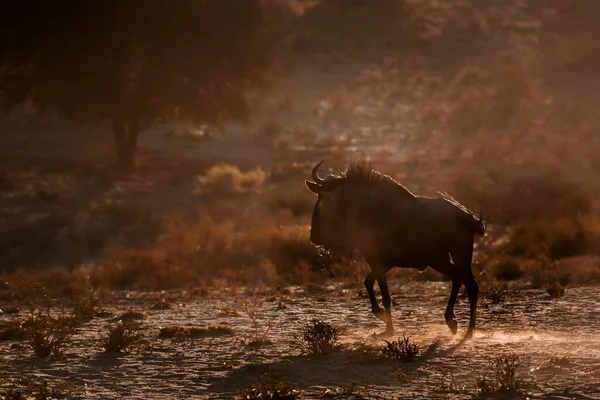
(363, 209)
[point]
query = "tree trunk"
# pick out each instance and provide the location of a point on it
(125, 134)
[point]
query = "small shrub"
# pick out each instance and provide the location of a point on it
(401, 349)
(162, 304)
(504, 378)
(555, 290)
(129, 315)
(269, 387)
(47, 335)
(319, 337)
(259, 336)
(225, 178)
(119, 337)
(87, 309)
(496, 295)
(38, 389)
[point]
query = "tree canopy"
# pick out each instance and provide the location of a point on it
(133, 61)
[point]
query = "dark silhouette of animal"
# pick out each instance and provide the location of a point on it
(363, 209)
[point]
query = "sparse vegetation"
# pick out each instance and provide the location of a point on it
(496, 295)
(46, 335)
(502, 376)
(319, 337)
(224, 179)
(492, 102)
(120, 336)
(401, 349)
(555, 290)
(130, 315)
(259, 333)
(39, 389)
(269, 387)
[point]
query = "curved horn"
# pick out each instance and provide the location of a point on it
(315, 175)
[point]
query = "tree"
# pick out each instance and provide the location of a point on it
(133, 61)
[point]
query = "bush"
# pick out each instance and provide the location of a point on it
(508, 269)
(319, 337)
(119, 337)
(225, 178)
(269, 387)
(504, 378)
(46, 335)
(401, 349)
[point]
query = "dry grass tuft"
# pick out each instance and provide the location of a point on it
(402, 350)
(508, 269)
(225, 178)
(555, 291)
(269, 386)
(39, 389)
(319, 337)
(120, 336)
(502, 376)
(47, 335)
(130, 315)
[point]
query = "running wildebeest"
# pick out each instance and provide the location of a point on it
(391, 227)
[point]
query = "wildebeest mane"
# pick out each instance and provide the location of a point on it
(363, 173)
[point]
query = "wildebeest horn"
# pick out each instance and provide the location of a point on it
(315, 175)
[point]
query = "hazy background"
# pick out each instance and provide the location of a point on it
(494, 102)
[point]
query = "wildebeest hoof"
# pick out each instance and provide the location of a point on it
(388, 333)
(452, 325)
(469, 334)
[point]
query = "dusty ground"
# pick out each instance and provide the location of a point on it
(556, 339)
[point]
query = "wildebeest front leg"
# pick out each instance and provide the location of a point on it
(449, 314)
(472, 292)
(369, 283)
(385, 316)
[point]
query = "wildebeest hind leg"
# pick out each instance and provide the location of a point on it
(385, 316)
(463, 261)
(450, 270)
(449, 314)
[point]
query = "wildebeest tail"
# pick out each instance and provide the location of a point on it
(475, 223)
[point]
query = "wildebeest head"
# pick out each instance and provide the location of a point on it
(327, 219)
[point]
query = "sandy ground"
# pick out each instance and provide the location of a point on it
(556, 339)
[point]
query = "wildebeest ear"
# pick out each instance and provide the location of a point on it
(313, 187)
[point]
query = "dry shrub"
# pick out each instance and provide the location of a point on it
(42, 285)
(259, 334)
(129, 315)
(508, 269)
(319, 337)
(225, 178)
(120, 336)
(502, 376)
(39, 389)
(269, 386)
(299, 203)
(555, 291)
(402, 350)
(561, 238)
(47, 335)
(86, 309)
(495, 295)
